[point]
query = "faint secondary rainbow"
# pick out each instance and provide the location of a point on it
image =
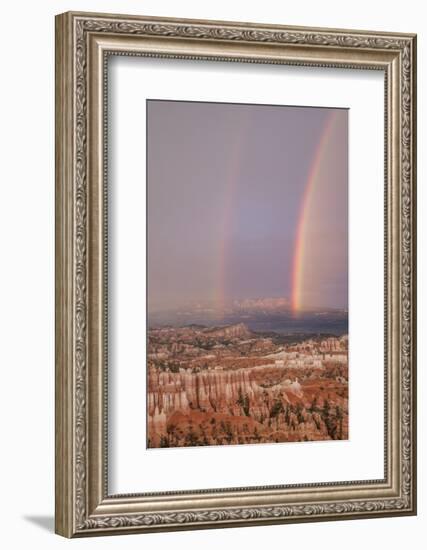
(313, 177)
(226, 221)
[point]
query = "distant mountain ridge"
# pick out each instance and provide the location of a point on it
(261, 304)
(258, 316)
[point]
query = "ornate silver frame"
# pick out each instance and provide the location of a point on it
(83, 42)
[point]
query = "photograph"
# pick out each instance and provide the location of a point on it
(247, 270)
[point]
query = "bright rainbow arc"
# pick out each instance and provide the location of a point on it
(300, 240)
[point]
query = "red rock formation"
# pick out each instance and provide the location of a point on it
(231, 331)
(238, 397)
(231, 390)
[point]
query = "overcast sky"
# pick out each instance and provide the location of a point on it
(225, 189)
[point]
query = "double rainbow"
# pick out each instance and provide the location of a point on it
(299, 261)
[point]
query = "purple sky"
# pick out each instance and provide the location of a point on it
(225, 188)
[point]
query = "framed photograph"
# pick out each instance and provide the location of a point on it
(235, 274)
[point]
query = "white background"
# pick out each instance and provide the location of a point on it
(27, 274)
(133, 468)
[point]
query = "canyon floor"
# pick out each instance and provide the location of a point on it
(229, 385)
